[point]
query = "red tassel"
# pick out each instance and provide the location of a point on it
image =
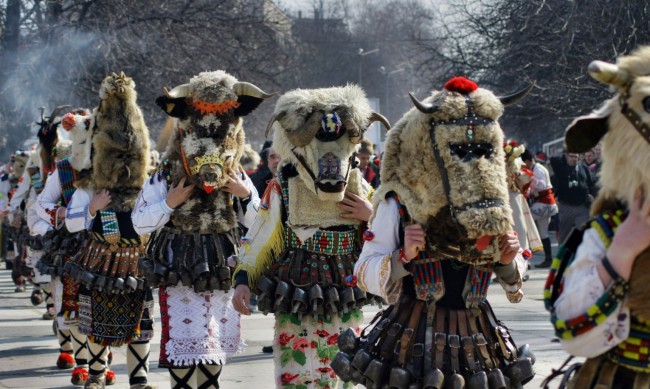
(65, 361)
(461, 85)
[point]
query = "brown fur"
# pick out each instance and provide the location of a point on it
(120, 143)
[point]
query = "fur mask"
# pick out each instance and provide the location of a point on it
(318, 131)
(120, 143)
(19, 161)
(79, 124)
(459, 123)
(208, 138)
(625, 145)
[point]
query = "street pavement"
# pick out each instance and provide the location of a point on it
(28, 348)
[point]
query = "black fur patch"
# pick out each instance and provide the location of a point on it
(177, 108)
(246, 105)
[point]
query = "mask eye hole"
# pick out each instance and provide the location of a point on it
(469, 151)
(646, 104)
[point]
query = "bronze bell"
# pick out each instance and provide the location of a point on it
(496, 380)
(399, 378)
(316, 299)
(341, 366)
(299, 301)
(435, 379)
(376, 374)
(332, 299)
(282, 292)
(359, 364)
(520, 371)
(119, 284)
(359, 297)
(348, 341)
(347, 299)
(265, 287)
(478, 380)
(455, 381)
(131, 283)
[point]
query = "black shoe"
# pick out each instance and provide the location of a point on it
(267, 349)
(544, 265)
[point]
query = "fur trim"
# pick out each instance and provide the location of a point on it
(409, 166)
(120, 143)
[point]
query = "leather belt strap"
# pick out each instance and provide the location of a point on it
(389, 341)
(481, 343)
(588, 372)
(408, 336)
(492, 342)
(383, 327)
(454, 340)
(503, 337)
(607, 374)
(466, 341)
(419, 347)
(440, 337)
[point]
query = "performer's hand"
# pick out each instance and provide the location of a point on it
(100, 200)
(60, 214)
(241, 299)
(509, 247)
(632, 237)
(236, 186)
(179, 194)
(355, 206)
(414, 240)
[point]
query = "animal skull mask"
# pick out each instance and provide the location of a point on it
(318, 130)
(445, 161)
(79, 123)
(208, 137)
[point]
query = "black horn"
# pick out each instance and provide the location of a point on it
(515, 97)
(422, 107)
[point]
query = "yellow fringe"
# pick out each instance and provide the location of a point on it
(267, 255)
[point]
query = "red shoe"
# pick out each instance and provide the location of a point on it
(110, 377)
(65, 361)
(79, 376)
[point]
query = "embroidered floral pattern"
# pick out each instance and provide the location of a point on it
(305, 348)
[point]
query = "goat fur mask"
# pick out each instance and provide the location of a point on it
(79, 124)
(462, 118)
(318, 131)
(208, 136)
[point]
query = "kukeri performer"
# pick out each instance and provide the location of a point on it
(441, 226)
(115, 304)
(59, 245)
(195, 202)
(597, 289)
(300, 253)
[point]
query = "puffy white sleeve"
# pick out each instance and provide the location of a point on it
(583, 293)
(378, 269)
(47, 202)
(151, 211)
(21, 191)
(78, 217)
(247, 212)
(37, 226)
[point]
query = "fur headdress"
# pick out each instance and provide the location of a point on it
(19, 161)
(80, 124)
(120, 142)
(206, 143)
(445, 160)
(318, 130)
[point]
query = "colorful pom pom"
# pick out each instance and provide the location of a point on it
(351, 281)
(461, 85)
(368, 235)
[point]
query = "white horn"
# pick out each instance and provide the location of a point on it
(609, 74)
(183, 90)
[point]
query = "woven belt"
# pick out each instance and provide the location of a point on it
(123, 242)
(325, 242)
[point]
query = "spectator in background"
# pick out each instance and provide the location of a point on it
(575, 189)
(543, 202)
(266, 170)
(369, 171)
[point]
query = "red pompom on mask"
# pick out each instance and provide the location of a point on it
(461, 85)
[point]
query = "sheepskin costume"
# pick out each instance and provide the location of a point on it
(300, 253)
(608, 323)
(120, 142)
(206, 144)
(460, 123)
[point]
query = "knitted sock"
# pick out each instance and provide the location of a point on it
(183, 378)
(207, 376)
(98, 358)
(80, 347)
(137, 362)
(65, 344)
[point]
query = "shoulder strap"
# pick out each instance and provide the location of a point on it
(67, 178)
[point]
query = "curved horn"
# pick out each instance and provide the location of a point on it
(182, 90)
(609, 74)
(275, 118)
(57, 111)
(376, 117)
(304, 134)
(515, 97)
(422, 107)
(42, 109)
(248, 89)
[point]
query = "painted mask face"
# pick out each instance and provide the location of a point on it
(79, 123)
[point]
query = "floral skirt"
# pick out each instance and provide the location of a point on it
(303, 349)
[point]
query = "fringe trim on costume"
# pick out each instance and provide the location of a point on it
(219, 359)
(266, 255)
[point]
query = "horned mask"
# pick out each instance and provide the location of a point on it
(445, 161)
(623, 125)
(79, 124)
(208, 133)
(318, 131)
